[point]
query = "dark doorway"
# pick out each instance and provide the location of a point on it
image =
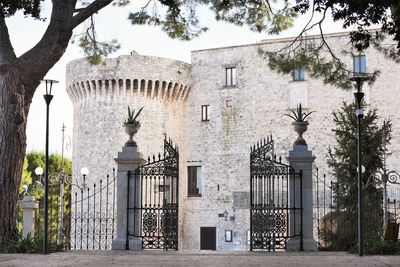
(208, 238)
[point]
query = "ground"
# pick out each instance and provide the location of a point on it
(174, 258)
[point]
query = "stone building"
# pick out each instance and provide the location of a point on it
(214, 108)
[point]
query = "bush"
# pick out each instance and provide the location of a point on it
(18, 244)
(379, 247)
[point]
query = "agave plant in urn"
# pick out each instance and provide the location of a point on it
(300, 124)
(132, 126)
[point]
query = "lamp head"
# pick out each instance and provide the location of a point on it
(84, 171)
(39, 171)
(49, 85)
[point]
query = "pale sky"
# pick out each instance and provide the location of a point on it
(112, 22)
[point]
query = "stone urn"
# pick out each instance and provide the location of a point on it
(300, 127)
(131, 130)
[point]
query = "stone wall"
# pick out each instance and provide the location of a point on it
(222, 145)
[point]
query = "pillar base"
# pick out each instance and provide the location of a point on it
(134, 243)
(293, 244)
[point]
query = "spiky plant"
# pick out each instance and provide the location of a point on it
(299, 115)
(132, 118)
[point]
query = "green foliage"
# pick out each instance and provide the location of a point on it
(362, 14)
(315, 53)
(132, 118)
(342, 160)
(96, 51)
(56, 166)
(180, 19)
(316, 61)
(28, 7)
(378, 247)
(18, 244)
(26, 180)
(299, 115)
(342, 157)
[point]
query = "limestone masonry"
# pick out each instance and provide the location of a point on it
(240, 111)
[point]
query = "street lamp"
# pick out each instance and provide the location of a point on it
(359, 78)
(47, 97)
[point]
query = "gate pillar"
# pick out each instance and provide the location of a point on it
(128, 161)
(301, 159)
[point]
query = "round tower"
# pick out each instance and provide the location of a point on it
(101, 94)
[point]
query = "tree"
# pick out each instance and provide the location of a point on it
(315, 53)
(20, 76)
(342, 160)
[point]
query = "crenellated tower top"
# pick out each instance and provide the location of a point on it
(128, 76)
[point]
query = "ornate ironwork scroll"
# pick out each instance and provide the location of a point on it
(155, 205)
(273, 203)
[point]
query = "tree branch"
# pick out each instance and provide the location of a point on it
(88, 11)
(35, 63)
(6, 50)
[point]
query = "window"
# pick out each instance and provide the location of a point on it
(228, 103)
(194, 181)
(359, 64)
(205, 112)
(298, 74)
(230, 76)
(228, 235)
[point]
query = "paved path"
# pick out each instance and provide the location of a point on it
(173, 258)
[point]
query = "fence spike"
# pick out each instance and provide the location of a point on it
(148, 159)
(264, 141)
(280, 159)
(159, 156)
(154, 158)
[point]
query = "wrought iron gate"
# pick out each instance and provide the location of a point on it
(155, 202)
(275, 199)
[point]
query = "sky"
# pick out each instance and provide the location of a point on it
(112, 22)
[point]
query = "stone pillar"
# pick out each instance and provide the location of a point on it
(128, 160)
(301, 159)
(28, 205)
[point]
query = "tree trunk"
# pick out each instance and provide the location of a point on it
(13, 115)
(19, 78)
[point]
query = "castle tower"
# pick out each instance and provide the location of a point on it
(101, 94)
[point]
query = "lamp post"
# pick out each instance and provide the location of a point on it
(47, 97)
(359, 78)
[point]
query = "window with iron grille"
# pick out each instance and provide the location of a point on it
(230, 76)
(298, 74)
(194, 181)
(359, 64)
(205, 112)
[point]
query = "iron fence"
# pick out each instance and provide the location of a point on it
(335, 222)
(93, 216)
